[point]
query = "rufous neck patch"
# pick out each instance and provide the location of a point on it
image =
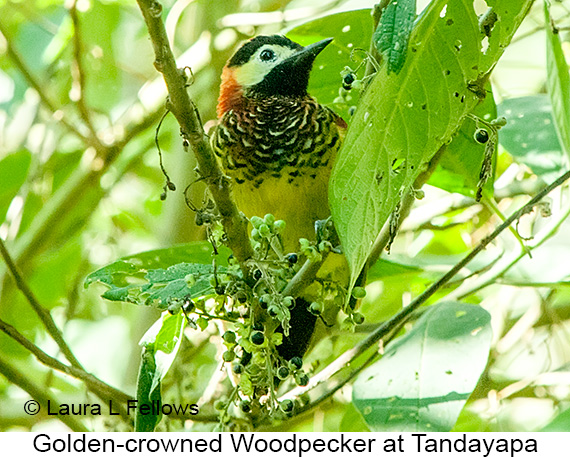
(231, 93)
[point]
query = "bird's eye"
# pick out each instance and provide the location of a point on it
(267, 55)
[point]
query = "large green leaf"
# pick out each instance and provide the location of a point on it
(404, 119)
(155, 277)
(530, 136)
(425, 377)
(558, 83)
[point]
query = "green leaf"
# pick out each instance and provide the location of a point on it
(530, 136)
(459, 167)
(147, 396)
(13, 173)
(386, 268)
(425, 377)
(393, 32)
(404, 119)
(164, 339)
(134, 267)
(558, 82)
(131, 278)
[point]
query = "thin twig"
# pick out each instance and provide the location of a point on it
(234, 223)
(399, 319)
(303, 277)
(104, 391)
(79, 72)
(42, 313)
(14, 376)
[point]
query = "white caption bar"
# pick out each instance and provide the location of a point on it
(288, 444)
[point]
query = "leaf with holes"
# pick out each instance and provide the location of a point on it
(404, 119)
(150, 278)
(425, 377)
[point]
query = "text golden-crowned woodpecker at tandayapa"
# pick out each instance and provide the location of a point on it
(277, 144)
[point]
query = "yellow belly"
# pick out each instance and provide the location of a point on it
(299, 203)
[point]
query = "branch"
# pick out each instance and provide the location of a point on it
(234, 223)
(42, 313)
(98, 387)
(14, 376)
(391, 327)
(79, 73)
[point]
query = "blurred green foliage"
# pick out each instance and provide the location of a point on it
(80, 188)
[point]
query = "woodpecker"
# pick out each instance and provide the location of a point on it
(277, 144)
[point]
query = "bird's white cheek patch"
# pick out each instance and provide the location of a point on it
(250, 74)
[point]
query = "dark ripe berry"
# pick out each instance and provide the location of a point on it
(171, 186)
(286, 406)
(237, 368)
(245, 406)
(282, 372)
(220, 289)
(302, 380)
(296, 363)
(481, 136)
(198, 220)
(348, 78)
(257, 338)
(163, 196)
(292, 258)
(257, 275)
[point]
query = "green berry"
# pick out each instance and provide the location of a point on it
(255, 235)
(358, 318)
(264, 230)
(229, 337)
(245, 406)
(286, 406)
(302, 379)
(316, 308)
(269, 219)
(289, 302)
(219, 405)
(256, 221)
(282, 372)
(279, 226)
(359, 292)
(190, 279)
(229, 356)
(257, 338)
(292, 258)
(296, 363)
